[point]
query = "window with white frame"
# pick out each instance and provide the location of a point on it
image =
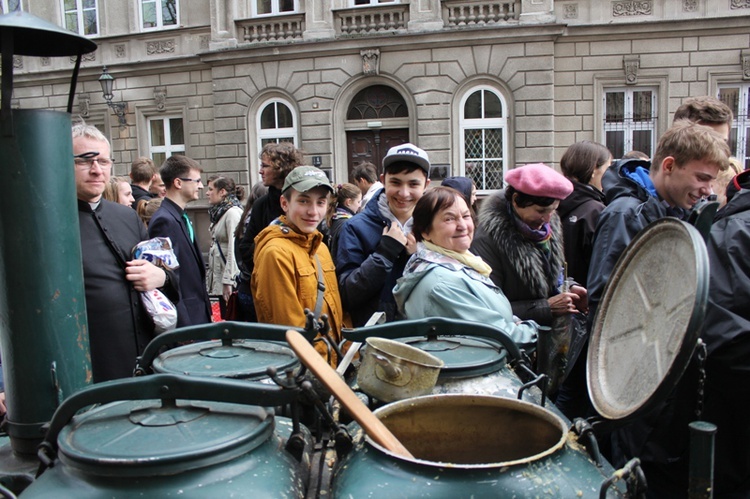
(630, 117)
(274, 7)
(7, 6)
(484, 137)
(159, 13)
(80, 16)
(276, 123)
(737, 97)
(372, 2)
(166, 136)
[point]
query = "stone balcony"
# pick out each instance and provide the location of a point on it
(468, 14)
(283, 28)
(384, 18)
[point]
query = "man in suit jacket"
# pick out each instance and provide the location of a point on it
(182, 178)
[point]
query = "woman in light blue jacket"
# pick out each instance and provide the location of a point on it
(444, 279)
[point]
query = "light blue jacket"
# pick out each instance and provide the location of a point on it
(434, 285)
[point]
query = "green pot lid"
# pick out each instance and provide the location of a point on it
(243, 359)
(648, 320)
(463, 356)
(146, 438)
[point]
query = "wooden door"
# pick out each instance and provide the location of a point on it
(372, 146)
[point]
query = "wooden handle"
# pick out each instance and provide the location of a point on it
(359, 411)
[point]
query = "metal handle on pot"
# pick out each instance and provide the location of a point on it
(225, 331)
(434, 326)
(164, 387)
(389, 372)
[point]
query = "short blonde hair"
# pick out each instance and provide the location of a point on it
(687, 141)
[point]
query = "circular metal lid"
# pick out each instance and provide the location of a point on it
(463, 357)
(146, 438)
(243, 359)
(648, 320)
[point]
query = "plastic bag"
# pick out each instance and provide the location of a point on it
(162, 311)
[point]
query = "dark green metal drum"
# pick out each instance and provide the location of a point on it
(178, 436)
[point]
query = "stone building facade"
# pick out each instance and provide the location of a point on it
(482, 85)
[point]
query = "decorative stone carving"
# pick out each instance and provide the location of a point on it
(740, 4)
(370, 61)
(204, 41)
(570, 11)
(120, 50)
(745, 62)
(632, 63)
(91, 56)
(17, 62)
(632, 8)
(689, 5)
(160, 96)
(84, 102)
(46, 61)
(160, 47)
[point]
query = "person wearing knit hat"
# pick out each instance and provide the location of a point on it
(519, 235)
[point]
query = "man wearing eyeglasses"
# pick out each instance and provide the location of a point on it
(119, 327)
(182, 178)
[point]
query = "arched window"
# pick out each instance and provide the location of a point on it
(484, 137)
(377, 102)
(276, 122)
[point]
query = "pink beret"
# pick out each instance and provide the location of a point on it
(539, 180)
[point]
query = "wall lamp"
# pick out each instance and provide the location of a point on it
(107, 81)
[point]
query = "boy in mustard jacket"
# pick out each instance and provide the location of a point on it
(290, 260)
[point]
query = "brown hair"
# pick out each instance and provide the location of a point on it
(582, 158)
(431, 202)
(142, 170)
(366, 171)
(221, 182)
(705, 110)
(283, 156)
(112, 189)
(147, 208)
(687, 141)
(343, 192)
(177, 166)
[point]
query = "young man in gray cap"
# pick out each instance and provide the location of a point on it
(290, 259)
(374, 245)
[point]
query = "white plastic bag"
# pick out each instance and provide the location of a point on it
(159, 252)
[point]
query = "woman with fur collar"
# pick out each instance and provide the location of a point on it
(520, 237)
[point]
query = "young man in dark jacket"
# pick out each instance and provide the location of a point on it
(374, 245)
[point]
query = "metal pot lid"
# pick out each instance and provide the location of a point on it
(649, 319)
(463, 356)
(146, 438)
(243, 359)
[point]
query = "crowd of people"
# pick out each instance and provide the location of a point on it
(539, 250)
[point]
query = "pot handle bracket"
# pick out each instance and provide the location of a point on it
(634, 477)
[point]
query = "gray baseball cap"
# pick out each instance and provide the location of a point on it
(304, 178)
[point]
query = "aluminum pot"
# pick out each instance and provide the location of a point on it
(392, 370)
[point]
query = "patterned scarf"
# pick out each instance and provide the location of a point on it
(217, 211)
(540, 237)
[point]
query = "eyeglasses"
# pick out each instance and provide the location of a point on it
(196, 180)
(86, 161)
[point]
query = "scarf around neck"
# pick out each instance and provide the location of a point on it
(466, 258)
(217, 211)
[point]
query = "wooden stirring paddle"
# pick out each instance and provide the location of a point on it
(359, 411)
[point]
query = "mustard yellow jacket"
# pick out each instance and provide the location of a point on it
(285, 280)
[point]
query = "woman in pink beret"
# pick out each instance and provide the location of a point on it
(520, 237)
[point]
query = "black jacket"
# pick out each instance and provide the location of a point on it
(578, 214)
(661, 439)
(139, 193)
(119, 327)
(266, 209)
(194, 306)
(519, 268)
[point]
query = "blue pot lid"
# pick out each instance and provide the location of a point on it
(243, 359)
(463, 356)
(146, 438)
